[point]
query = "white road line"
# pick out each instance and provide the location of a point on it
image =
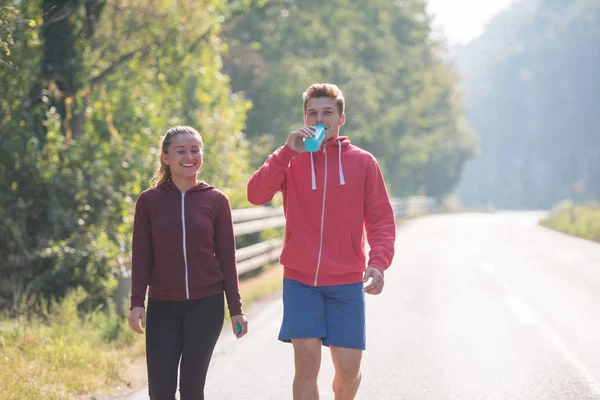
(523, 312)
(489, 268)
(526, 315)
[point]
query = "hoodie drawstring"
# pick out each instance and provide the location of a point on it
(340, 169)
(342, 180)
(312, 168)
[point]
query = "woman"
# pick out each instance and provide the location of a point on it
(183, 250)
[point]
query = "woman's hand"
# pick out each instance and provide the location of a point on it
(242, 322)
(135, 315)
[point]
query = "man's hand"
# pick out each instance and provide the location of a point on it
(242, 322)
(135, 315)
(296, 139)
(376, 285)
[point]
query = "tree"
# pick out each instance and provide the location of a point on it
(401, 97)
(98, 83)
(531, 90)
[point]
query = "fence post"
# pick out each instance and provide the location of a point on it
(123, 283)
(122, 295)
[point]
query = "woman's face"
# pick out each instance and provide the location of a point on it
(184, 156)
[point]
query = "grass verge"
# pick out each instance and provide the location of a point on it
(60, 355)
(268, 282)
(580, 221)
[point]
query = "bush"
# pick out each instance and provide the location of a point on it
(59, 353)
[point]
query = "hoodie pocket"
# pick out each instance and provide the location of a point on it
(339, 254)
(204, 270)
(168, 272)
(301, 250)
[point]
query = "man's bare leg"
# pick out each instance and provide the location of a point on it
(307, 360)
(347, 372)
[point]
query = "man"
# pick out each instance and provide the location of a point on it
(330, 198)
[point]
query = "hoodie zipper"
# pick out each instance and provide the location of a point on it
(322, 218)
(187, 286)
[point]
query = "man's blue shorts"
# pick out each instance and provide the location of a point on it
(335, 314)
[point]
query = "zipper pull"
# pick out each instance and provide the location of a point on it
(324, 152)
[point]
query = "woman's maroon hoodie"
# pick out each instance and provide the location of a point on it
(183, 246)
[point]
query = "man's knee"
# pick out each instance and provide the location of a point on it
(307, 358)
(347, 367)
(307, 366)
(349, 376)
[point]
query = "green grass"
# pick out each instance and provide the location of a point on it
(269, 281)
(580, 221)
(59, 355)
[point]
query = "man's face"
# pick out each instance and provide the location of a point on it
(323, 110)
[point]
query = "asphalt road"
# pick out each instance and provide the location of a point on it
(476, 306)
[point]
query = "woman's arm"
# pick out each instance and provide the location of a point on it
(225, 252)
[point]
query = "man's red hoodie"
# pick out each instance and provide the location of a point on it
(330, 198)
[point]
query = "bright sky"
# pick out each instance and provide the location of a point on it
(464, 20)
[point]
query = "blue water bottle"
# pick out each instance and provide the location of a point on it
(313, 144)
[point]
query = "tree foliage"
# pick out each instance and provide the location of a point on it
(401, 99)
(89, 86)
(90, 92)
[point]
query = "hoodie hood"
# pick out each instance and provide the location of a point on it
(340, 140)
(170, 186)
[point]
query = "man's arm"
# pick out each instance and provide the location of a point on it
(379, 219)
(269, 179)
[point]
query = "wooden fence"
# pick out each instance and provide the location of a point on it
(258, 219)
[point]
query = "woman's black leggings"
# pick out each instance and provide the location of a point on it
(181, 329)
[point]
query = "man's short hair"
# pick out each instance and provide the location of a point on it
(324, 90)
